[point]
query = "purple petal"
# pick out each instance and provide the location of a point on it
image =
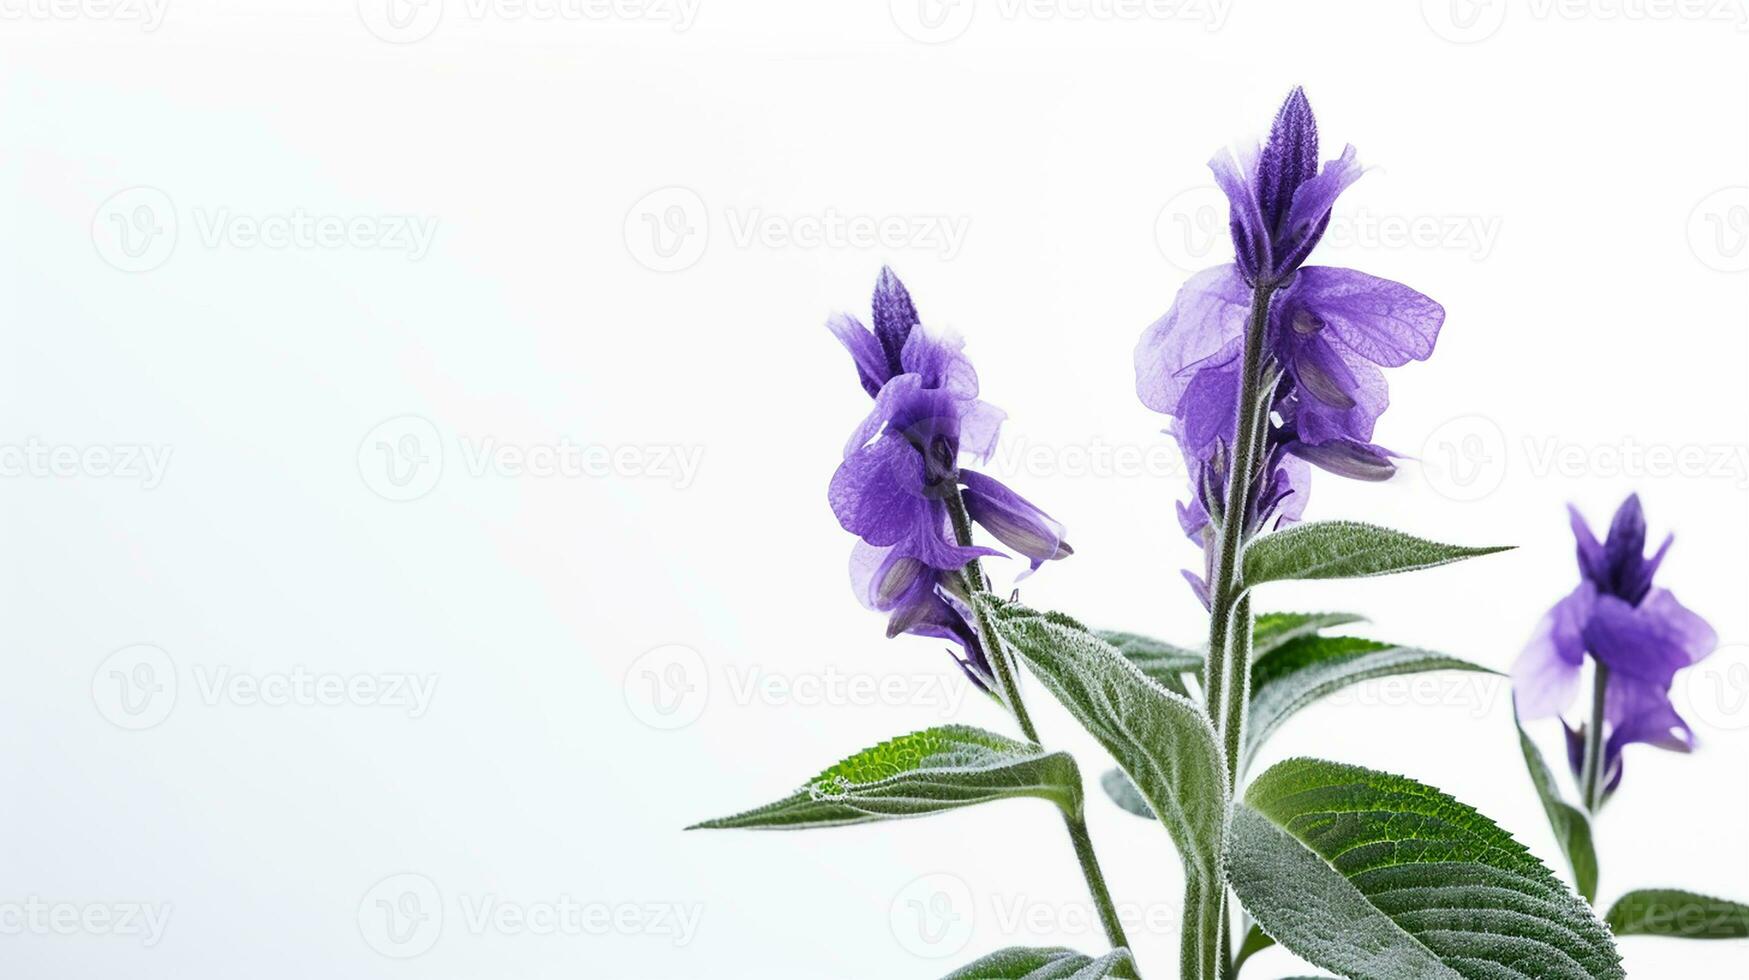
(1013, 520)
(1624, 548)
(1546, 675)
(939, 359)
(1385, 322)
(1208, 411)
(883, 579)
(894, 316)
(1649, 642)
(1319, 372)
(1591, 563)
(1198, 586)
(871, 362)
(1235, 173)
(1642, 713)
(1205, 325)
(1345, 457)
(877, 492)
(1306, 220)
(1637, 580)
(1318, 421)
(979, 427)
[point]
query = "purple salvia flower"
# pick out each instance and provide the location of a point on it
(1329, 330)
(1643, 635)
(902, 466)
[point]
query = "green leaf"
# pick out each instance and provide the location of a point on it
(1164, 663)
(1678, 914)
(1256, 941)
(1344, 549)
(1124, 793)
(1302, 670)
(1572, 827)
(1162, 740)
(924, 772)
(1272, 630)
(1378, 877)
(1055, 963)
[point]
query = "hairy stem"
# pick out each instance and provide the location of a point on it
(1591, 781)
(1010, 691)
(1228, 671)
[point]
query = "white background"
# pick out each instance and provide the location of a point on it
(1574, 179)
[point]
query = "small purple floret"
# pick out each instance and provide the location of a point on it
(1643, 635)
(902, 466)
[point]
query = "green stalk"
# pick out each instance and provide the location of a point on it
(1591, 780)
(1010, 692)
(1228, 672)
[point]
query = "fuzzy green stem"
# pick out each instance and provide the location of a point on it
(1591, 781)
(1010, 692)
(1227, 674)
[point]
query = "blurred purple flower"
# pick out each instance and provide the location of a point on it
(902, 467)
(1329, 330)
(1643, 635)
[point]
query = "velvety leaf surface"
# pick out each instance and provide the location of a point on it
(1162, 740)
(1678, 915)
(924, 772)
(1344, 549)
(1164, 663)
(1124, 793)
(1055, 963)
(1378, 877)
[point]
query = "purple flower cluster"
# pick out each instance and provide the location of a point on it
(900, 480)
(1641, 635)
(1328, 333)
